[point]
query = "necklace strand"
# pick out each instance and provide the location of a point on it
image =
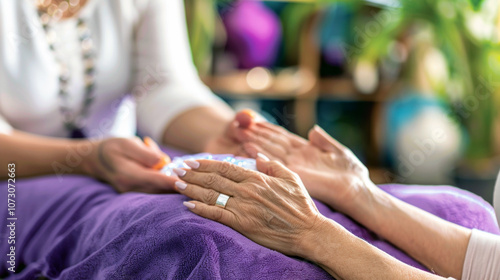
(73, 122)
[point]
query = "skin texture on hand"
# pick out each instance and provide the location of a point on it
(274, 209)
(329, 170)
(282, 211)
(334, 175)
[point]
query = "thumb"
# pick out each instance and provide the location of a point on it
(322, 140)
(247, 117)
(237, 129)
(165, 159)
(273, 168)
(146, 156)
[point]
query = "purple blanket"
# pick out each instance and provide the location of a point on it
(79, 228)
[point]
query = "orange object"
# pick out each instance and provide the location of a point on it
(164, 159)
(148, 141)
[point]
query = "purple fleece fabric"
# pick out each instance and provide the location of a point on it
(78, 228)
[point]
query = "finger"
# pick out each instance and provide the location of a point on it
(198, 193)
(224, 169)
(274, 169)
(149, 142)
(211, 212)
(273, 137)
(195, 192)
(295, 140)
(142, 154)
(242, 121)
(212, 181)
(253, 150)
(245, 118)
(134, 177)
(272, 148)
(165, 159)
(157, 182)
(325, 142)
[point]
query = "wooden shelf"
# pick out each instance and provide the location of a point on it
(236, 85)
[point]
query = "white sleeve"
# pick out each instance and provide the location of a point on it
(5, 127)
(166, 82)
(496, 198)
(482, 259)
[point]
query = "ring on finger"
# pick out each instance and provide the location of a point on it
(222, 200)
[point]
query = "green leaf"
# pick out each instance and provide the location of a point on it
(476, 4)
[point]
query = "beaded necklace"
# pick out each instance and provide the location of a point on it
(74, 122)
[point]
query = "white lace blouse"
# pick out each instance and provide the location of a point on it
(142, 48)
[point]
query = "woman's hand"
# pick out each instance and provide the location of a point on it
(230, 141)
(272, 208)
(329, 170)
(128, 165)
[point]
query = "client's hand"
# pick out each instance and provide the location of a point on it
(129, 165)
(330, 171)
(272, 208)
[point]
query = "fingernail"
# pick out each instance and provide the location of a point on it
(192, 163)
(179, 172)
(180, 185)
(262, 157)
(189, 204)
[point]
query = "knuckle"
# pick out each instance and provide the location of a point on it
(211, 180)
(259, 178)
(210, 197)
(225, 168)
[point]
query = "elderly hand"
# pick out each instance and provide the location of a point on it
(128, 165)
(272, 208)
(330, 171)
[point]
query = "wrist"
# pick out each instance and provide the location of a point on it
(312, 245)
(366, 207)
(90, 157)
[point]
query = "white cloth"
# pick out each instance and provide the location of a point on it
(142, 48)
(482, 259)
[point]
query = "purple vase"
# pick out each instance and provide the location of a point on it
(253, 33)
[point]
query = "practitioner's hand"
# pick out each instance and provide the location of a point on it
(230, 142)
(272, 208)
(329, 170)
(128, 165)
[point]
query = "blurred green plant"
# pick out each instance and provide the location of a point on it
(465, 33)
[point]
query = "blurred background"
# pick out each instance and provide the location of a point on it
(412, 87)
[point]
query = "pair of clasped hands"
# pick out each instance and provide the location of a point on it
(290, 170)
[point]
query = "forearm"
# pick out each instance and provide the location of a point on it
(345, 256)
(193, 129)
(438, 244)
(37, 155)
